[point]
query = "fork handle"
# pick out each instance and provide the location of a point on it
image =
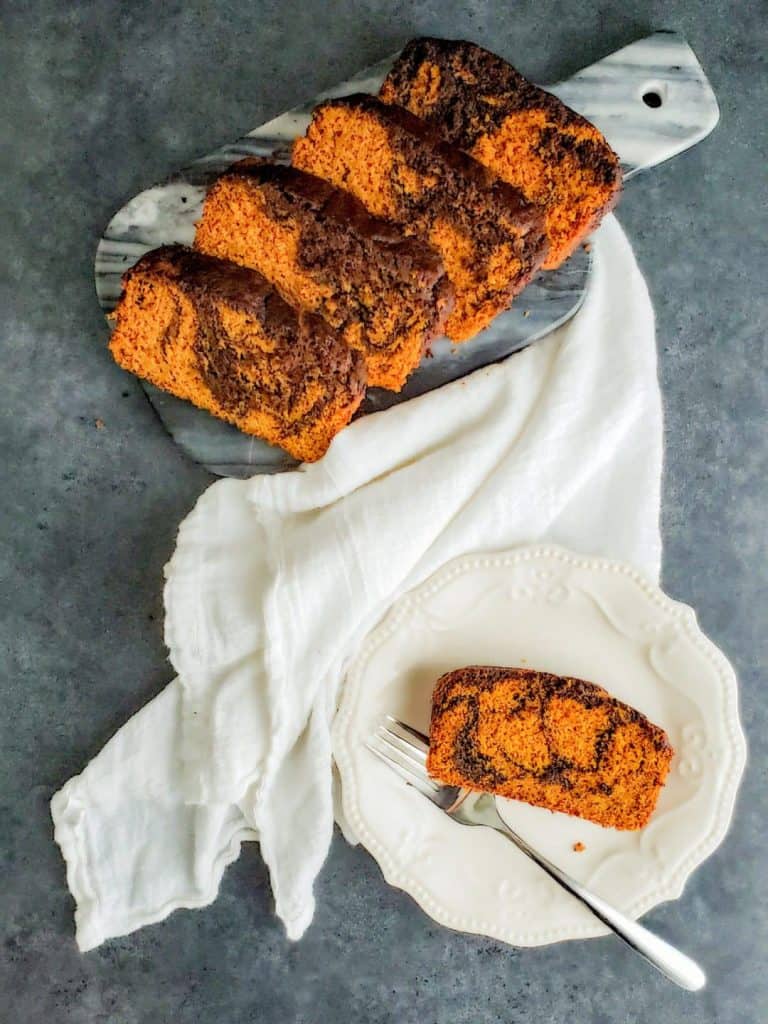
(665, 958)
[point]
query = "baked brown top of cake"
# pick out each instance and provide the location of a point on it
(557, 742)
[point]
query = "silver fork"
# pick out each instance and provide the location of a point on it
(404, 749)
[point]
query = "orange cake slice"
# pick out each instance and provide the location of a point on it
(221, 337)
(490, 237)
(555, 742)
(385, 294)
(526, 135)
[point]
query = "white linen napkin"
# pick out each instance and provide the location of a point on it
(276, 580)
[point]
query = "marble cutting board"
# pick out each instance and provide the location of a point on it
(651, 99)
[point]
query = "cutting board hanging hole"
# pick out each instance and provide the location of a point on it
(654, 94)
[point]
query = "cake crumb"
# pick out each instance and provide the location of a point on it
(578, 847)
(100, 424)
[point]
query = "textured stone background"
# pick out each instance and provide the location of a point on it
(101, 99)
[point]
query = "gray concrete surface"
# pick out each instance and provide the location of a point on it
(96, 101)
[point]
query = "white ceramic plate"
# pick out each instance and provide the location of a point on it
(545, 608)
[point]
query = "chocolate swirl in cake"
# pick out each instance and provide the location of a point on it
(480, 103)
(561, 742)
(386, 294)
(221, 336)
(490, 237)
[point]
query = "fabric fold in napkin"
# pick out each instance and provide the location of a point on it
(275, 581)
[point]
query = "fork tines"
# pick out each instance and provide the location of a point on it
(396, 745)
(408, 732)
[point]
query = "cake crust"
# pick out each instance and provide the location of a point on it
(557, 742)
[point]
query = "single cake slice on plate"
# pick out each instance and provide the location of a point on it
(526, 135)
(220, 336)
(387, 295)
(559, 743)
(490, 237)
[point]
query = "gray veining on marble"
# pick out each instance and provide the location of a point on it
(98, 100)
(610, 92)
(661, 68)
